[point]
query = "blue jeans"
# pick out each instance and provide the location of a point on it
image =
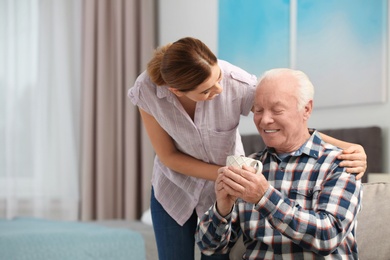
(175, 242)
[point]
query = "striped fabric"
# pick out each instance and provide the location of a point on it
(309, 211)
(211, 137)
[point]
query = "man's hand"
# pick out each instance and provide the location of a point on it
(243, 183)
(225, 201)
(354, 159)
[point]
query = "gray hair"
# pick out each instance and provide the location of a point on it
(306, 88)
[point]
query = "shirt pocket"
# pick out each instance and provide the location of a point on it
(306, 197)
(221, 144)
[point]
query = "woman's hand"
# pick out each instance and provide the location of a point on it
(354, 158)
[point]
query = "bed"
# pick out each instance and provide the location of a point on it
(41, 239)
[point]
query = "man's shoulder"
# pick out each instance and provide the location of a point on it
(331, 147)
(321, 144)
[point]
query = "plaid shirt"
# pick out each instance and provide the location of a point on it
(309, 211)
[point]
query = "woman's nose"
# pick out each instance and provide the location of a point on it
(217, 88)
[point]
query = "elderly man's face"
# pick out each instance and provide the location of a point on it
(276, 115)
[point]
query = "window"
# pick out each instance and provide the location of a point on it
(40, 44)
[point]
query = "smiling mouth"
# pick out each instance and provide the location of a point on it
(271, 131)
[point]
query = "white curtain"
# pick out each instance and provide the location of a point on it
(40, 43)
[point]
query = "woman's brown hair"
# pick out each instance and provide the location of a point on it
(183, 65)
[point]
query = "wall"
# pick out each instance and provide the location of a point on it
(180, 18)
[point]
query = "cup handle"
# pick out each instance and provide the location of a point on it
(257, 165)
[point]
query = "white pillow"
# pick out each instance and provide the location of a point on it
(147, 217)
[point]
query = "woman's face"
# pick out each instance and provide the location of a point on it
(209, 89)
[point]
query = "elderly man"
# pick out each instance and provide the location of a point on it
(303, 205)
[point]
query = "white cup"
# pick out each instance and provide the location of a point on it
(239, 161)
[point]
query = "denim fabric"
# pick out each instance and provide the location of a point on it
(175, 242)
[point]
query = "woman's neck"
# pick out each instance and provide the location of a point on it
(189, 105)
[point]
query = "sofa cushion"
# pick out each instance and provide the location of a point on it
(373, 228)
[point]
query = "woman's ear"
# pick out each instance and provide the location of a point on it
(176, 91)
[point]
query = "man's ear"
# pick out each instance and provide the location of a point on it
(176, 91)
(308, 109)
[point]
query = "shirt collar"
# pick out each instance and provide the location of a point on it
(163, 92)
(311, 147)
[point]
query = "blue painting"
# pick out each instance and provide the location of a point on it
(254, 34)
(340, 44)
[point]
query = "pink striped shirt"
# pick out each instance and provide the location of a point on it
(210, 137)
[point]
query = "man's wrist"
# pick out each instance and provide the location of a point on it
(223, 212)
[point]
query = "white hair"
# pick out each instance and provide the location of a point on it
(305, 87)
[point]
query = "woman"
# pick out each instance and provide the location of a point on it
(190, 103)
